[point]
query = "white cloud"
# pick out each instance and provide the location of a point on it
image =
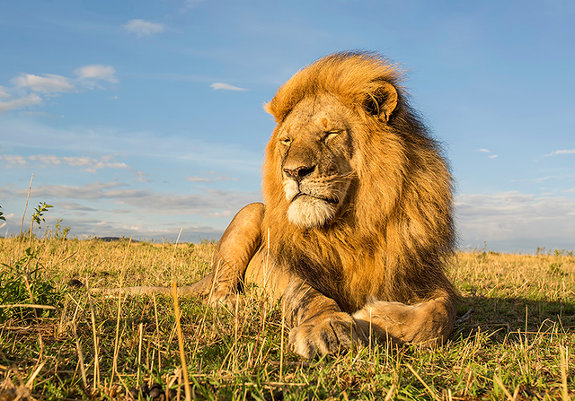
(561, 152)
(46, 159)
(4, 93)
(219, 155)
(190, 4)
(138, 200)
(227, 87)
(141, 28)
(42, 114)
(88, 191)
(75, 207)
(14, 160)
(483, 150)
(206, 179)
(199, 179)
(93, 164)
(46, 83)
(20, 103)
(142, 177)
(97, 72)
(32, 88)
(543, 179)
(88, 163)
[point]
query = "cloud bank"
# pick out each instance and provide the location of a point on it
(514, 217)
(20, 103)
(31, 89)
(89, 164)
(46, 83)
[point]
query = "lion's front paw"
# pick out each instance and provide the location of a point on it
(229, 301)
(326, 334)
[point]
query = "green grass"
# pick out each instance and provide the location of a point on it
(509, 348)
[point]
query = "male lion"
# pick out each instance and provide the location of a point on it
(356, 224)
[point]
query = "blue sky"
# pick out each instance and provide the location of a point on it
(141, 118)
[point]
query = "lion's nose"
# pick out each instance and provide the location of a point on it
(299, 173)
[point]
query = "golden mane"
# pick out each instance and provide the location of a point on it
(396, 229)
(350, 76)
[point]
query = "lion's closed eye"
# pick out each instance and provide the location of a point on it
(329, 135)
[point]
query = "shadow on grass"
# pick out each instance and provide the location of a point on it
(505, 315)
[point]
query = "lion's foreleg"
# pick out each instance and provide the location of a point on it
(430, 322)
(319, 326)
(234, 251)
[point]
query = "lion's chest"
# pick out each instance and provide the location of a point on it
(340, 277)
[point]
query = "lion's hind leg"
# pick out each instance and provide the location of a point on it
(428, 323)
(234, 251)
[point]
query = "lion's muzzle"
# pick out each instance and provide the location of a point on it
(314, 201)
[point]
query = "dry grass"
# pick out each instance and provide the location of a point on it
(517, 344)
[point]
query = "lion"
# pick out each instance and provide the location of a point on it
(356, 226)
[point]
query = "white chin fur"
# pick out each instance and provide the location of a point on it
(308, 212)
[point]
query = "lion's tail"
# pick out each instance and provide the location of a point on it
(199, 288)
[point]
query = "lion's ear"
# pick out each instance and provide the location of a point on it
(381, 100)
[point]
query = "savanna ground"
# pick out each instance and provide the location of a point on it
(517, 343)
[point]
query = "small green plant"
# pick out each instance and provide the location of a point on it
(58, 231)
(21, 284)
(555, 269)
(38, 216)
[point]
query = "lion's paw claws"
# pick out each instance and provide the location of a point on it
(325, 335)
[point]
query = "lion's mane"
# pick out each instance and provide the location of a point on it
(395, 232)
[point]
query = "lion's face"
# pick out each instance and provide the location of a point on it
(315, 147)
